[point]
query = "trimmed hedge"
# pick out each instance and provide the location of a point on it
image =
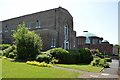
(71, 56)
(85, 55)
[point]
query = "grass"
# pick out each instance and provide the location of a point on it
(23, 70)
(83, 67)
(0, 68)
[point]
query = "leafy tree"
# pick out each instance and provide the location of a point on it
(28, 43)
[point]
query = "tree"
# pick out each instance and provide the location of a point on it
(28, 43)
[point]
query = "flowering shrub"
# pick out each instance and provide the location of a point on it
(42, 64)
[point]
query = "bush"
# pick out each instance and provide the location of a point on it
(106, 65)
(73, 57)
(8, 50)
(108, 59)
(85, 55)
(28, 43)
(100, 55)
(100, 62)
(56, 51)
(53, 61)
(42, 64)
(95, 62)
(1, 52)
(59, 54)
(11, 55)
(4, 46)
(44, 57)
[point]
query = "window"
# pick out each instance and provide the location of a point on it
(12, 30)
(29, 25)
(6, 30)
(66, 42)
(66, 32)
(53, 43)
(38, 24)
(100, 41)
(94, 41)
(82, 42)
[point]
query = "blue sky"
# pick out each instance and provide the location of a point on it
(96, 16)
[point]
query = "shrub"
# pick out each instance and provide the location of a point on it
(42, 64)
(95, 62)
(44, 57)
(108, 59)
(28, 43)
(53, 61)
(1, 52)
(59, 54)
(11, 55)
(56, 51)
(100, 55)
(85, 55)
(73, 57)
(106, 65)
(100, 62)
(4, 46)
(8, 50)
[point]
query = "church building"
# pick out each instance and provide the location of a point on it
(55, 26)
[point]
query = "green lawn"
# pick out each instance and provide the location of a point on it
(0, 68)
(23, 70)
(83, 67)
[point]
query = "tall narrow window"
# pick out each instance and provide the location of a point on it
(66, 41)
(53, 43)
(28, 25)
(38, 24)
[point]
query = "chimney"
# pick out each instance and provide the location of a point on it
(85, 31)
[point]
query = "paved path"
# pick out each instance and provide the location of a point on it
(113, 68)
(110, 73)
